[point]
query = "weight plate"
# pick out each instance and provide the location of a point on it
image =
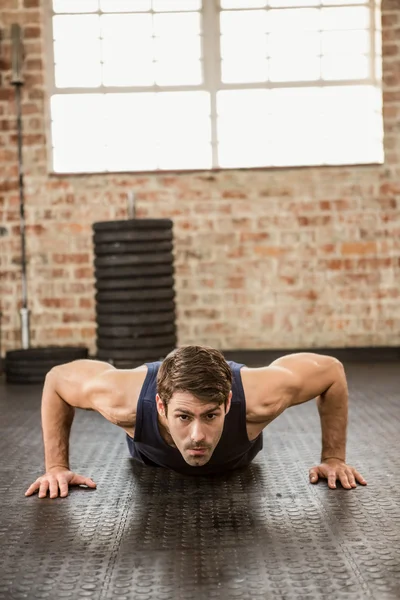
(131, 344)
(130, 248)
(116, 308)
(62, 353)
(145, 354)
(24, 379)
(122, 260)
(139, 331)
(150, 295)
(139, 282)
(133, 235)
(137, 319)
(133, 224)
(133, 271)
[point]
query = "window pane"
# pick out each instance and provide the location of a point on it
(75, 6)
(280, 3)
(344, 66)
(285, 43)
(177, 5)
(345, 42)
(77, 65)
(178, 72)
(77, 50)
(294, 68)
(243, 127)
(242, 45)
(78, 132)
(170, 48)
(130, 132)
(125, 5)
(178, 49)
(178, 26)
(244, 70)
(72, 27)
(243, 3)
(137, 27)
(301, 19)
(127, 50)
(345, 18)
(246, 22)
(344, 2)
(183, 128)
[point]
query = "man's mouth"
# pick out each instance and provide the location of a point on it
(197, 451)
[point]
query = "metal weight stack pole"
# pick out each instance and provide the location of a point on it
(17, 82)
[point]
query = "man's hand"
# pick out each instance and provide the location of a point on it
(333, 469)
(55, 478)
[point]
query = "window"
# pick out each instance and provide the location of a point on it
(147, 85)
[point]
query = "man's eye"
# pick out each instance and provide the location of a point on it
(183, 417)
(211, 417)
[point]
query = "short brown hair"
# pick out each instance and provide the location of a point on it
(199, 370)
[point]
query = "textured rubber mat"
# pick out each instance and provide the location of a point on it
(264, 532)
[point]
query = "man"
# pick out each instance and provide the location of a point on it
(194, 412)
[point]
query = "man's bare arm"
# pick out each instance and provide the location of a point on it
(311, 376)
(57, 417)
(66, 387)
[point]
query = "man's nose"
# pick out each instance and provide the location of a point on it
(197, 433)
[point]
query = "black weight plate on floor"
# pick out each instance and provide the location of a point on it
(139, 282)
(135, 354)
(30, 367)
(156, 294)
(131, 344)
(114, 331)
(122, 260)
(116, 308)
(12, 378)
(34, 364)
(133, 224)
(136, 319)
(64, 353)
(133, 271)
(146, 330)
(133, 235)
(130, 248)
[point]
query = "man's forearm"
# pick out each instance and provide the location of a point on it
(57, 417)
(333, 412)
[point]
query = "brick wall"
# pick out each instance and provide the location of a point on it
(275, 258)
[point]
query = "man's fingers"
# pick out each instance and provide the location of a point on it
(53, 487)
(359, 477)
(32, 488)
(351, 479)
(81, 480)
(313, 475)
(332, 480)
(44, 486)
(63, 488)
(344, 480)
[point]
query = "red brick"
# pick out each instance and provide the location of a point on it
(84, 273)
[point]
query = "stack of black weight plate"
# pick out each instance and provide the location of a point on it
(135, 307)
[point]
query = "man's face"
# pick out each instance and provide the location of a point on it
(195, 427)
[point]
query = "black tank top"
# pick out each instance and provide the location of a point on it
(234, 449)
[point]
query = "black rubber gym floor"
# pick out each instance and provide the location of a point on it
(264, 532)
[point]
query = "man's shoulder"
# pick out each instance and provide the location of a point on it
(116, 392)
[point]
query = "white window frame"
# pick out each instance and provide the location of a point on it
(212, 78)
